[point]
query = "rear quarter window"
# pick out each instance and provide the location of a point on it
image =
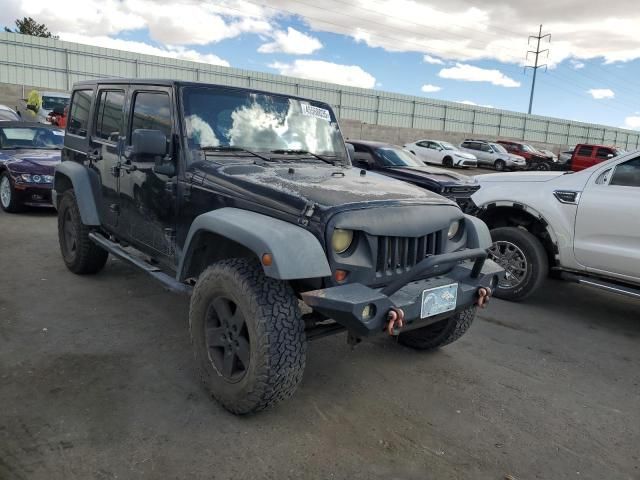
(584, 151)
(79, 112)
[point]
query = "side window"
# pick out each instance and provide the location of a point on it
(603, 153)
(584, 151)
(474, 146)
(365, 157)
(152, 111)
(423, 144)
(485, 148)
(79, 112)
(359, 148)
(627, 174)
(465, 145)
(109, 118)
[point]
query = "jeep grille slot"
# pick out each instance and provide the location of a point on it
(400, 254)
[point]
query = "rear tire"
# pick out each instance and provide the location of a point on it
(524, 259)
(500, 165)
(248, 336)
(440, 333)
(79, 253)
(8, 200)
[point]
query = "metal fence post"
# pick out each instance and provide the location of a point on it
(66, 69)
(473, 122)
(137, 70)
(377, 110)
(444, 119)
(546, 133)
(500, 124)
(413, 115)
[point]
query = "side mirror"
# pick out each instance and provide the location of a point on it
(351, 151)
(610, 155)
(146, 142)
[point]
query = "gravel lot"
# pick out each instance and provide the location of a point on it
(97, 382)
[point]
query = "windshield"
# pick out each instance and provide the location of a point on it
(447, 146)
(498, 148)
(396, 157)
(260, 122)
(31, 137)
(528, 148)
(49, 103)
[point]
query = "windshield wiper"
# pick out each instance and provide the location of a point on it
(229, 148)
(283, 151)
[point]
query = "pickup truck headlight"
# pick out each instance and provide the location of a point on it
(341, 240)
(454, 228)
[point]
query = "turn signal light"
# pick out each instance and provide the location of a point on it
(267, 260)
(340, 275)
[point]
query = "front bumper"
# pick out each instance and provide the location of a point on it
(465, 162)
(346, 303)
(33, 194)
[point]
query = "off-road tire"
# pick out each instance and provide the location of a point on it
(13, 206)
(500, 165)
(447, 162)
(440, 333)
(535, 255)
(275, 330)
(87, 257)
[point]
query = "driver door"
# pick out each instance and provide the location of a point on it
(607, 231)
(147, 196)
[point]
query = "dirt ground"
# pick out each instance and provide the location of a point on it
(97, 381)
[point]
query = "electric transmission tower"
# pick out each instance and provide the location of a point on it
(536, 65)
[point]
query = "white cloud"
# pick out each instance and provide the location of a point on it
(141, 47)
(469, 102)
(470, 73)
(432, 60)
(576, 64)
(351, 75)
(428, 88)
(632, 122)
(601, 93)
(292, 41)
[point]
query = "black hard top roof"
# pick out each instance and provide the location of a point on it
(178, 83)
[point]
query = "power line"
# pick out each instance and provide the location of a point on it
(536, 66)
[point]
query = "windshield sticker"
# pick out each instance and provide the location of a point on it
(311, 111)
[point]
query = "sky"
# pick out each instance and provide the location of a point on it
(457, 50)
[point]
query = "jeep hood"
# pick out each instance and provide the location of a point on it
(532, 176)
(296, 185)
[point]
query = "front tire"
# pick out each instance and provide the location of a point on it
(440, 333)
(8, 199)
(500, 165)
(79, 253)
(248, 336)
(447, 162)
(524, 259)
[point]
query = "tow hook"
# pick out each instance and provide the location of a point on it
(484, 293)
(395, 322)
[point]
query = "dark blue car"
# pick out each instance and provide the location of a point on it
(29, 153)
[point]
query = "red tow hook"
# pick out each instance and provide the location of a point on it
(484, 293)
(396, 321)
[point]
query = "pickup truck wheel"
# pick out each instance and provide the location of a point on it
(248, 336)
(440, 333)
(499, 165)
(79, 253)
(524, 259)
(8, 200)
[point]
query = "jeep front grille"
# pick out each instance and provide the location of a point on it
(400, 254)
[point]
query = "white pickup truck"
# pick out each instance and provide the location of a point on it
(583, 226)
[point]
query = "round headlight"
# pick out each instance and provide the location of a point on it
(454, 228)
(341, 240)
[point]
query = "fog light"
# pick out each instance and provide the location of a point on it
(368, 311)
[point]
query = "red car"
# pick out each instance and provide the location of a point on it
(585, 156)
(535, 160)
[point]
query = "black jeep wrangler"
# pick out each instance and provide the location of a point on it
(247, 200)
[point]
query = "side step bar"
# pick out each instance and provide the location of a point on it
(603, 285)
(168, 281)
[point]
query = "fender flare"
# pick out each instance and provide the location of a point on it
(79, 177)
(555, 240)
(296, 252)
(478, 235)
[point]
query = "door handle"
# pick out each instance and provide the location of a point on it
(94, 156)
